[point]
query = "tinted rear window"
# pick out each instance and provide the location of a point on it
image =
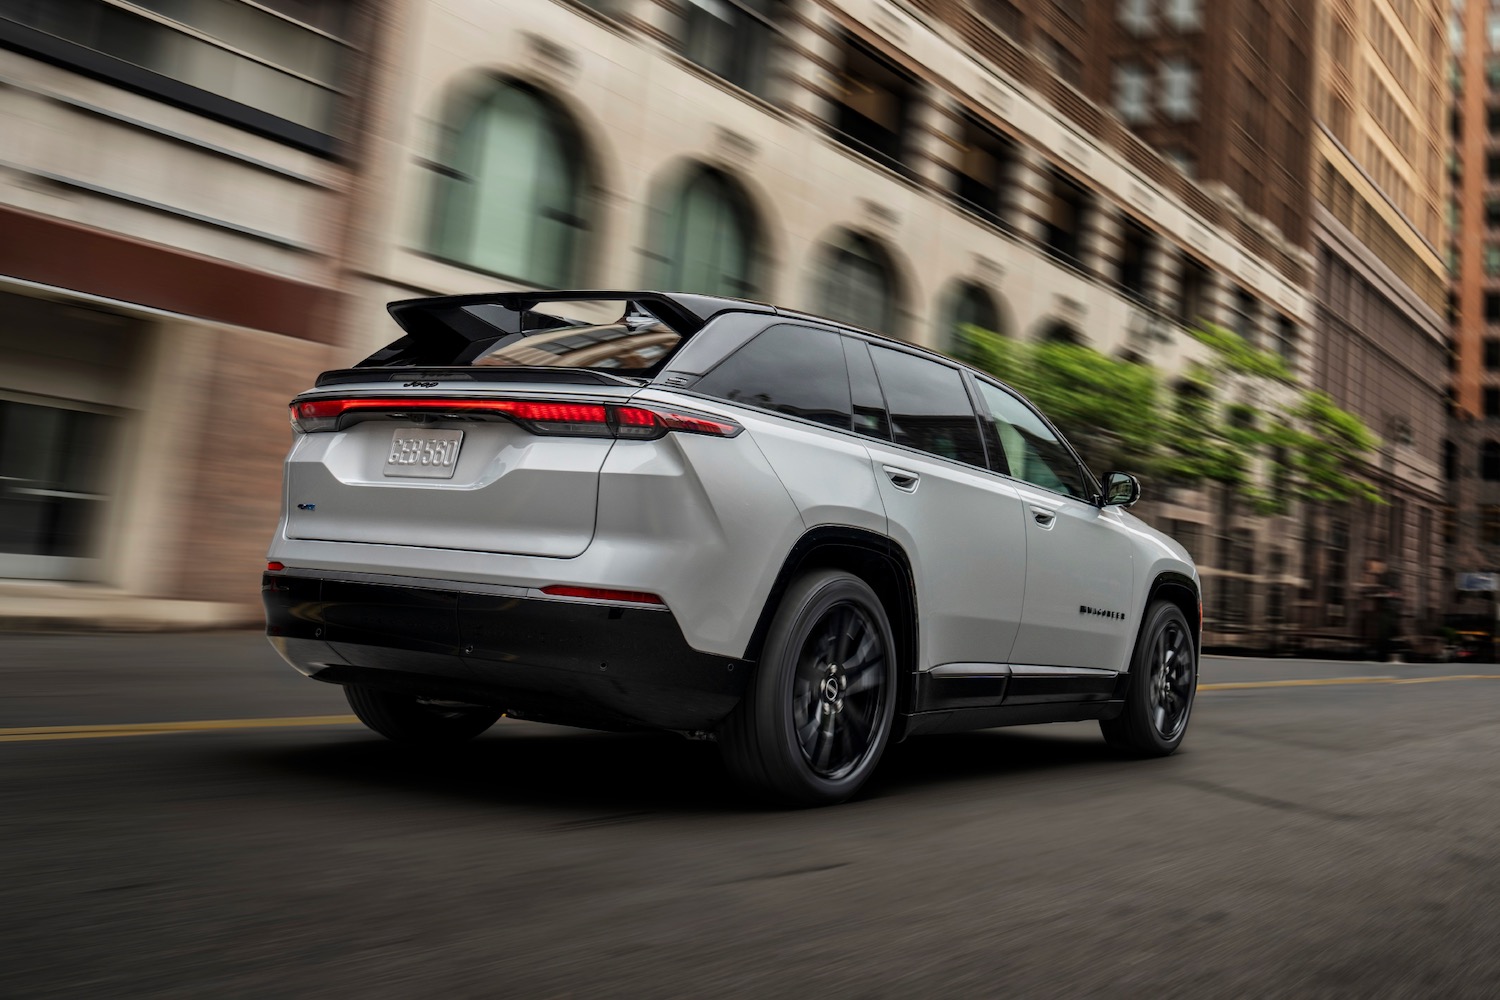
(796, 370)
(608, 335)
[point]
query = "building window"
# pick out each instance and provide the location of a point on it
(978, 180)
(274, 68)
(1063, 62)
(1184, 15)
(1492, 353)
(1132, 97)
(857, 283)
(707, 238)
(1492, 213)
(1492, 260)
(1179, 89)
(1135, 16)
(1490, 524)
(1002, 14)
(732, 39)
(1182, 160)
(1065, 203)
(1492, 30)
(1492, 167)
(511, 190)
(1193, 292)
(1286, 340)
(1450, 460)
(965, 305)
(53, 463)
(1489, 461)
(1135, 243)
(1492, 402)
(874, 106)
(1246, 308)
(1336, 563)
(1492, 307)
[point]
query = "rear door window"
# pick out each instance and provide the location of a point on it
(929, 406)
(791, 369)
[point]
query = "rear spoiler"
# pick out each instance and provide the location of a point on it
(448, 329)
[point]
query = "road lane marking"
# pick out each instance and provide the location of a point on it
(38, 734)
(1332, 681)
(26, 734)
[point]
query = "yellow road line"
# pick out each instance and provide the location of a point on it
(1331, 681)
(22, 734)
(38, 734)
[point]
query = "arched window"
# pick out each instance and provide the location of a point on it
(1489, 462)
(707, 240)
(966, 304)
(1061, 332)
(511, 190)
(857, 283)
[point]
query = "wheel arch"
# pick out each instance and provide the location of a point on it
(1181, 590)
(875, 559)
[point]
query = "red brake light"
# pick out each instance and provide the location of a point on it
(275, 567)
(603, 594)
(538, 416)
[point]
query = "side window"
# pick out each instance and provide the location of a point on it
(870, 417)
(796, 370)
(929, 407)
(1028, 450)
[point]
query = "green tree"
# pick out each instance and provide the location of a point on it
(1114, 413)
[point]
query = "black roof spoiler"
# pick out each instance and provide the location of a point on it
(442, 326)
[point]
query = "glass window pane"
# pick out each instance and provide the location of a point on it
(856, 284)
(1029, 450)
(707, 239)
(795, 370)
(929, 407)
(510, 201)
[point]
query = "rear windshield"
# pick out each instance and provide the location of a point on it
(625, 336)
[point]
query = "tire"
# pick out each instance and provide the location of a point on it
(1163, 682)
(405, 719)
(818, 713)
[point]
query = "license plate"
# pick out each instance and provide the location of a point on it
(420, 453)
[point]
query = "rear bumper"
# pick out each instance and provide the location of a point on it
(571, 662)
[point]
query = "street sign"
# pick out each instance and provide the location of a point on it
(1479, 581)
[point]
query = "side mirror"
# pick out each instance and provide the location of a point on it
(1121, 489)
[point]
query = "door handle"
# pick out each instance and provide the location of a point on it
(1045, 518)
(901, 479)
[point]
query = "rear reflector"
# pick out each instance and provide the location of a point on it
(602, 594)
(275, 567)
(538, 416)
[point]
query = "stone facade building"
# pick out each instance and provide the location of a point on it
(908, 168)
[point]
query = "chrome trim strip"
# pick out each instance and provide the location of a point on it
(1029, 670)
(970, 670)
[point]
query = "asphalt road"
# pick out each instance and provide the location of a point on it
(1332, 838)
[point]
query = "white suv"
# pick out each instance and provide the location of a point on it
(715, 517)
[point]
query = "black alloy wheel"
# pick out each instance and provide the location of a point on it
(1163, 682)
(818, 714)
(838, 690)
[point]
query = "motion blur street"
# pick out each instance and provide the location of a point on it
(186, 816)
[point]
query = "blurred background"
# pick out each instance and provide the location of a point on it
(1247, 248)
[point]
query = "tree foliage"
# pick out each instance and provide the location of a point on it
(1117, 414)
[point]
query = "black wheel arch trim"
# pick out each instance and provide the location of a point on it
(810, 552)
(1182, 590)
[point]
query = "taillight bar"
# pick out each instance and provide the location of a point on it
(570, 419)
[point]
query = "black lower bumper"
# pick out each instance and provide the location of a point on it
(554, 661)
